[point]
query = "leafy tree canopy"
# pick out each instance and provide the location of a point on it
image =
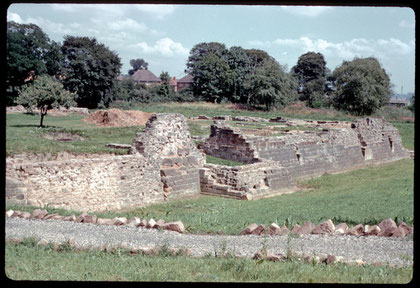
(270, 86)
(137, 64)
(28, 49)
(89, 69)
(45, 93)
(310, 66)
(363, 86)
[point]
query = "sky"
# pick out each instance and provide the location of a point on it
(163, 35)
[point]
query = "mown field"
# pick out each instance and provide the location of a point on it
(27, 261)
(366, 196)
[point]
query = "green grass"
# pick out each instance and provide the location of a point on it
(195, 109)
(24, 136)
(365, 196)
(406, 130)
(43, 263)
(219, 161)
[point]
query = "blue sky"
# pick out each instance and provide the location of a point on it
(163, 35)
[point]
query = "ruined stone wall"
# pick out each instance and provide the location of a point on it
(164, 162)
(245, 182)
(229, 143)
(302, 155)
(95, 184)
(167, 142)
(379, 140)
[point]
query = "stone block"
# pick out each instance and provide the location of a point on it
(274, 229)
(70, 218)
(159, 224)
(388, 227)
(9, 213)
(249, 229)
(259, 230)
(357, 230)
(307, 228)
(151, 223)
(38, 214)
(326, 227)
(407, 229)
(176, 226)
(341, 229)
(133, 221)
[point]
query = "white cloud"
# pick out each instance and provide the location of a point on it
(309, 11)
(405, 24)
(395, 46)
(258, 43)
(348, 49)
(14, 17)
(50, 27)
(158, 11)
(165, 47)
(127, 24)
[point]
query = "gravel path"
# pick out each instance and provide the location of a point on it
(371, 249)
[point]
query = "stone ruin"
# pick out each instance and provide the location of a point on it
(275, 163)
(164, 163)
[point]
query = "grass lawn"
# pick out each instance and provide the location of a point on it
(24, 136)
(195, 109)
(43, 263)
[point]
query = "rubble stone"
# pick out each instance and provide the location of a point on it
(176, 226)
(249, 229)
(326, 227)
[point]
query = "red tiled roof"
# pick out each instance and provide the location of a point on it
(186, 79)
(145, 76)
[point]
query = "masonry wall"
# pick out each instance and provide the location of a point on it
(304, 155)
(167, 142)
(163, 163)
(246, 182)
(96, 184)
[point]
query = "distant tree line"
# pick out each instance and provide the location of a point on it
(87, 71)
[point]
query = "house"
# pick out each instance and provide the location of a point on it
(398, 102)
(184, 82)
(145, 77)
(174, 83)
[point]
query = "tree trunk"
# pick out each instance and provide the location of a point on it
(43, 113)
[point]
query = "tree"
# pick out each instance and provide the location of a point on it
(201, 50)
(137, 64)
(257, 58)
(311, 72)
(270, 86)
(28, 49)
(89, 69)
(412, 106)
(45, 93)
(363, 86)
(165, 92)
(208, 66)
(212, 78)
(240, 65)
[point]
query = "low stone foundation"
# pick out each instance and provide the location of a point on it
(114, 182)
(164, 163)
(246, 182)
(294, 157)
